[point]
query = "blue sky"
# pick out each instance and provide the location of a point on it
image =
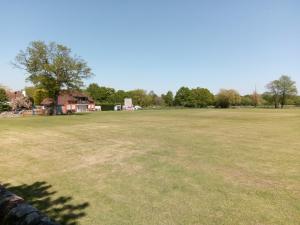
(161, 45)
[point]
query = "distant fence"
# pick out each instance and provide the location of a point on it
(14, 211)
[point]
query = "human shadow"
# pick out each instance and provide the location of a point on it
(59, 209)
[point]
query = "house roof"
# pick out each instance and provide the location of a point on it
(47, 101)
(66, 96)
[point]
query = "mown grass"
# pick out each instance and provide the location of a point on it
(238, 166)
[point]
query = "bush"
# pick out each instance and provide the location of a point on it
(107, 107)
(227, 98)
(297, 101)
(3, 101)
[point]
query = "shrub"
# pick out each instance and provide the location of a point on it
(227, 98)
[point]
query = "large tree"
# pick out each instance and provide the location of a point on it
(273, 90)
(52, 67)
(168, 98)
(201, 97)
(182, 97)
(101, 94)
(287, 89)
(119, 96)
(281, 90)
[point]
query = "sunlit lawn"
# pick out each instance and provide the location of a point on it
(238, 166)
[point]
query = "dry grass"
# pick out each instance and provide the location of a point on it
(163, 167)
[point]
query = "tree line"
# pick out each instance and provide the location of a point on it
(52, 67)
(279, 93)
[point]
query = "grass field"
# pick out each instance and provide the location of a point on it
(239, 166)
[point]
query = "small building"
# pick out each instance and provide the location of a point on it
(75, 101)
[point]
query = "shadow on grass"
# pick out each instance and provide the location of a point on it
(59, 209)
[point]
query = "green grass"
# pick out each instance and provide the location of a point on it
(239, 166)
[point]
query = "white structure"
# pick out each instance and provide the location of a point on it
(98, 108)
(128, 104)
(118, 108)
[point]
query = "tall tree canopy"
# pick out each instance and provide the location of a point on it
(182, 97)
(140, 97)
(273, 92)
(201, 97)
(196, 97)
(281, 90)
(101, 94)
(287, 89)
(52, 67)
(168, 98)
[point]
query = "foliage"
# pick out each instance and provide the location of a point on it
(268, 98)
(196, 97)
(227, 98)
(273, 93)
(93, 90)
(101, 93)
(39, 96)
(4, 87)
(246, 100)
(52, 67)
(3, 100)
(20, 103)
(30, 92)
(107, 107)
(287, 89)
(297, 101)
(119, 96)
(201, 97)
(182, 97)
(251, 100)
(281, 90)
(3, 96)
(168, 98)
(140, 97)
(106, 95)
(256, 99)
(155, 99)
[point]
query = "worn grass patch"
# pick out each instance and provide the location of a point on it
(159, 167)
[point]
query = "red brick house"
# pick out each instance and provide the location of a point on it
(75, 101)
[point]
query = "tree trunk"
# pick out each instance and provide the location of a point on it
(276, 101)
(283, 100)
(55, 105)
